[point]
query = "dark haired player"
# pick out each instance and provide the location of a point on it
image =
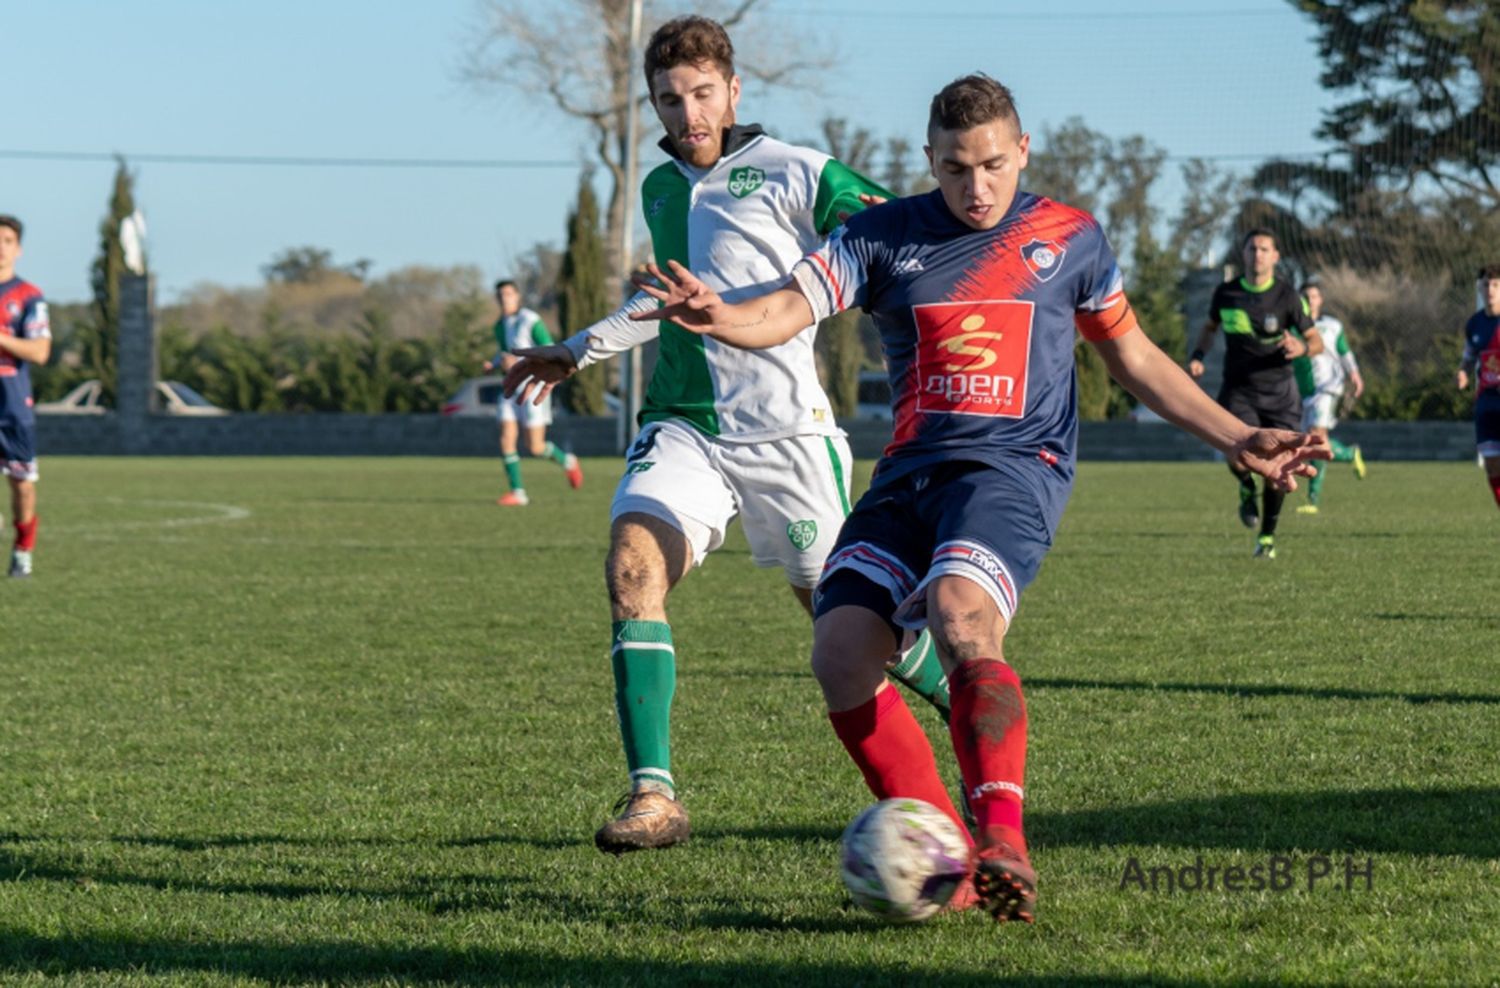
(977, 289)
(25, 339)
(1266, 328)
(1482, 360)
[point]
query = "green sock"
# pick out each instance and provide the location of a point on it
(513, 471)
(551, 452)
(645, 678)
(1315, 483)
(922, 673)
(1342, 452)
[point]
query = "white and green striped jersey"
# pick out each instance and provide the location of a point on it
(523, 329)
(1326, 372)
(739, 225)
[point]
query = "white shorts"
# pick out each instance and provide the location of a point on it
(1321, 410)
(524, 412)
(20, 470)
(791, 494)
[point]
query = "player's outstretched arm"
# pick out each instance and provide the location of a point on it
(754, 324)
(1149, 374)
(538, 371)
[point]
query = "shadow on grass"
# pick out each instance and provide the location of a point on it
(1459, 822)
(1250, 689)
(350, 962)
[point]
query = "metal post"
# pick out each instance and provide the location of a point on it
(631, 375)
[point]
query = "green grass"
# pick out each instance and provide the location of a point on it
(292, 720)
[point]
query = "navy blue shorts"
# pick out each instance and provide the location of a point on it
(17, 450)
(1487, 423)
(987, 524)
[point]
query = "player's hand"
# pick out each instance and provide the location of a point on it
(1359, 385)
(684, 299)
(537, 371)
(1279, 455)
(1195, 368)
(1462, 380)
(489, 365)
(867, 199)
(1292, 347)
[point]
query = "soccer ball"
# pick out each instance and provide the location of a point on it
(903, 859)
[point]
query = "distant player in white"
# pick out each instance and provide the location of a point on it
(519, 328)
(1322, 380)
(726, 432)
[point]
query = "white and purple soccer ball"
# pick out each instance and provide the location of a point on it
(902, 859)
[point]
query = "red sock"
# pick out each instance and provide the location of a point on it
(989, 735)
(26, 535)
(892, 752)
(1495, 486)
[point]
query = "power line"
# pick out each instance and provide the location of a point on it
(290, 161)
(861, 14)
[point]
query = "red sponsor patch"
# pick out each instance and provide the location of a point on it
(1489, 369)
(972, 357)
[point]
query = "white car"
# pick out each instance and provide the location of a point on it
(478, 395)
(176, 399)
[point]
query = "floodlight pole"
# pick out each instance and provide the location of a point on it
(631, 376)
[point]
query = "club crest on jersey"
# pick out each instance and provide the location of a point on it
(972, 357)
(803, 533)
(1043, 257)
(743, 181)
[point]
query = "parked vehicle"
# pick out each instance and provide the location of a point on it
(175, 398)
(478, 395)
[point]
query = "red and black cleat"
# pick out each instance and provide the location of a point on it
(1006, 883)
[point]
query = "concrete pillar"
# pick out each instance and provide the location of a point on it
(135, 384)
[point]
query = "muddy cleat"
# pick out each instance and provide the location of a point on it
(1307, 509)
(1359, 463)
(1265, 547)
(573, 471)
(1005, 883)
(647, 819)
(514, 499)
(20, 563)
(1249, 514)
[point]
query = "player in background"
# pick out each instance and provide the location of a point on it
(1266, 327)
(1321, 379)
(519, 328)
(724, 432)
(1482, 360)
(25, 339)
(976, 289)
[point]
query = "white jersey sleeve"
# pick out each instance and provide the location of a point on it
(615, 333)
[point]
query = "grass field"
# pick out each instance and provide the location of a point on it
(347, 721)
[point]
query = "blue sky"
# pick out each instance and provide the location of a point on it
(376, 79)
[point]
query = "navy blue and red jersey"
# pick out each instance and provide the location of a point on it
(977, 326)
(1482, 349)
(23, 314)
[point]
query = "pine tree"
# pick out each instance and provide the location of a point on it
(581, 297)
(102, 339)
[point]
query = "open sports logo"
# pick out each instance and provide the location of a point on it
(972, 357)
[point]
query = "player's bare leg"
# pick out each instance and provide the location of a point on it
(23, 517)
(647, 556)
(989, 737)
(851, 646)
(538, 446)
(1492, 474)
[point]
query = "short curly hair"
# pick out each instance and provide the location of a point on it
(688, 40)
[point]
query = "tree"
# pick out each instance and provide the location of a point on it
(581, 297)
(1422, 79)
(101, 340)
(575, 54)
(310, 265)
